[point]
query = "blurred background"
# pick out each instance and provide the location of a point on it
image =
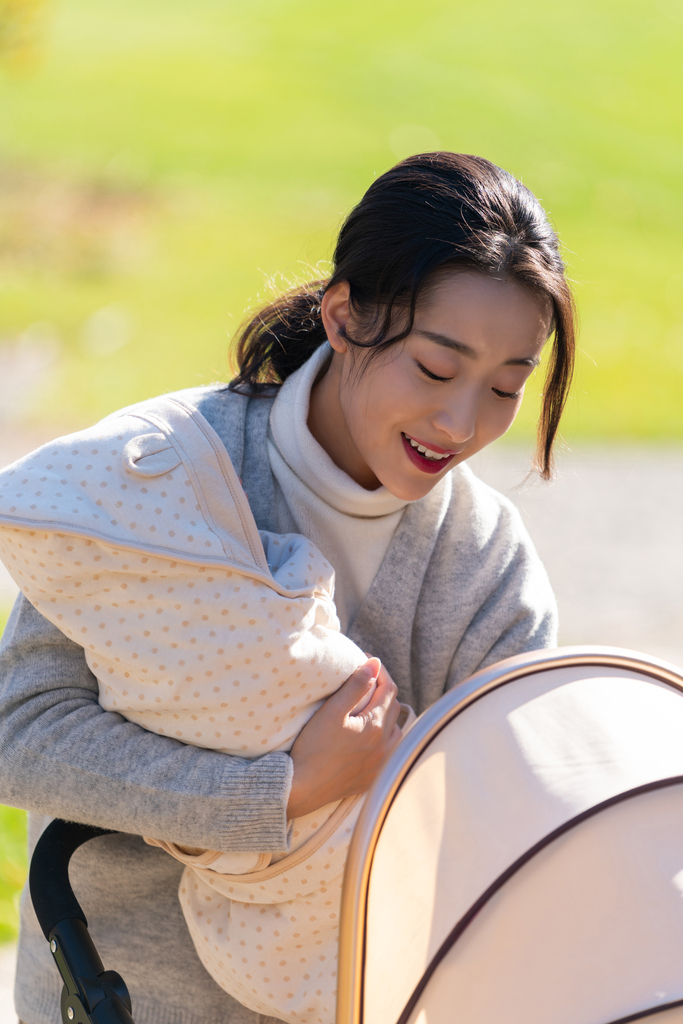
(164, 164)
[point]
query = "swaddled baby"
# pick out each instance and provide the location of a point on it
(135, 538)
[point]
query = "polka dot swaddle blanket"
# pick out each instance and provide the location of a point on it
(136, 539)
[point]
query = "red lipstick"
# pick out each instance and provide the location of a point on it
(423, 463)
(434, 447)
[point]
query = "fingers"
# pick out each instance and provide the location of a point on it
(393, 714)
(339, 753)
(385, 691)
(356, 687)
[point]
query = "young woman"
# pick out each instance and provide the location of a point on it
(447, 283)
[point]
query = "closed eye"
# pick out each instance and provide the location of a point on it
(506, 394)
(428, 373)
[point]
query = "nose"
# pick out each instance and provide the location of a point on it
(457, 421)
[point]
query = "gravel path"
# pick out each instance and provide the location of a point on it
(608, 529)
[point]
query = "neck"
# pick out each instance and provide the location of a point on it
(327, 423)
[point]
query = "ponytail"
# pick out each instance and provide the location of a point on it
(279, 339)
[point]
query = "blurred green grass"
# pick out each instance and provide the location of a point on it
(12, 869)
(12, 856)
(171, 157)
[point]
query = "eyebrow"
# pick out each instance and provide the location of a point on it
(465, 350)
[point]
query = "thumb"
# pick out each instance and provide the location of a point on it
(357, 685)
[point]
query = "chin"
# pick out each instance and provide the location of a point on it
(411, 490)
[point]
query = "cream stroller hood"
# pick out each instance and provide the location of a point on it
(533, 821)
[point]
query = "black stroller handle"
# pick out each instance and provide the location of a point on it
(90, 995)
(51, 892)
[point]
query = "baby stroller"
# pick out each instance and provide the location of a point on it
(518, 861)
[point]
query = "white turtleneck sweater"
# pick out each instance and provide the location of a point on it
(352, 527)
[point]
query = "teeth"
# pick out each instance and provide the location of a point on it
(427, 452)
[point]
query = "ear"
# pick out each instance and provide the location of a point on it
(336, 313)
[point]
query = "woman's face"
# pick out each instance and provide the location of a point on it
(428, 403)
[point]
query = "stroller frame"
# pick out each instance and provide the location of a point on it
(381, 795)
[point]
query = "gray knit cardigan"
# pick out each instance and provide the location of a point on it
(460, 588)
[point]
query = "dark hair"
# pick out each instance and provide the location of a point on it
(429, 214)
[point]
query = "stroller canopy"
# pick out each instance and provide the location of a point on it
(520, 861)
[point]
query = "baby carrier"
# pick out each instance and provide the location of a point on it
(518, 861)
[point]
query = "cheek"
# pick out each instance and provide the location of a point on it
(365, 413)
(511, 413)
(376, 404)
(501, 417)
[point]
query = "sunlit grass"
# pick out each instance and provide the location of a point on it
(12, 856)
(246, 131)
(12, 869)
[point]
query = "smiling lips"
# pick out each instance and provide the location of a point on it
(428, 459)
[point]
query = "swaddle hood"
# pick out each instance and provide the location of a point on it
(156, 478)
(136, 539)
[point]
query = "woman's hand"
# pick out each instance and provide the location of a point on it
(339, 753)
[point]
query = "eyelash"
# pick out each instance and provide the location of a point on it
(433, 376)
(428, 373)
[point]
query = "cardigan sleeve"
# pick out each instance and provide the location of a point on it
(61, 754)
